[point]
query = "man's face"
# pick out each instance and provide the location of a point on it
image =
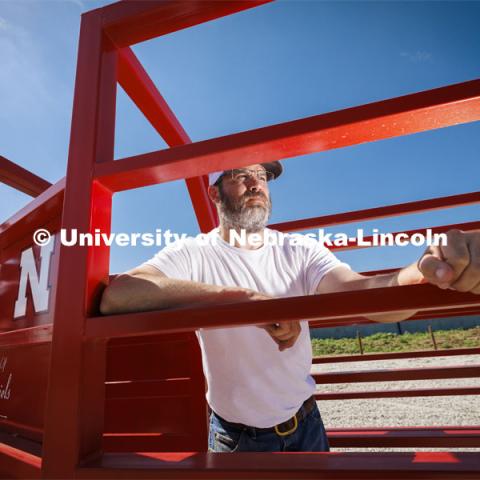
(244, 199)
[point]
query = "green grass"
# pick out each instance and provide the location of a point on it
(390, 342)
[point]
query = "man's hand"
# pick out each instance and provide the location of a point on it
(456, 265)
(285, 334)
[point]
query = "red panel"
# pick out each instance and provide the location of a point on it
(23, 386)
(11, 273)
(148, 361)
(148, 414)
(149, 442)
(131, 389)
(156, 385)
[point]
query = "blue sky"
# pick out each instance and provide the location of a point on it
(271, 64)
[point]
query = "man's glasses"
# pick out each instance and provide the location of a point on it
(242, 175)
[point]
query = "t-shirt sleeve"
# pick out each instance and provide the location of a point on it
(319, 260)
(173, 260)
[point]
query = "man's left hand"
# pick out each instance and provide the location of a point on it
(284, 334)
(454, 266)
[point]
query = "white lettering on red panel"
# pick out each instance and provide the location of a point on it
(38, 281)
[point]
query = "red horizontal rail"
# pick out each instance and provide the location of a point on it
(354, 320)
(394, 437)
(398, 209)
(20, 456)
(467, 227)
(413, 113)
(127, 23)
(393, 375)
(21, 179)
(332, 306)
(387, 437)
(339, 466)
(420, 392)
(395, 355)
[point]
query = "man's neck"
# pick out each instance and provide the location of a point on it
(242, 239)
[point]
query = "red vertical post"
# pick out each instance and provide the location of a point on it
(75, 395)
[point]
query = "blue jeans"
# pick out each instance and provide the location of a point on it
(310, 436)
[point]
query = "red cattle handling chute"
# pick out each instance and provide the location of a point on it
(81, 394)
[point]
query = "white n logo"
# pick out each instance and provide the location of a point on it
(38, 283)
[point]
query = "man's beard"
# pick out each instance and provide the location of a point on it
(238, 214)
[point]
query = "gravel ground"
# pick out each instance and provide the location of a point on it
(390, 412)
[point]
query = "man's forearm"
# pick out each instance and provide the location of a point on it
(405, 276)
(134, 293)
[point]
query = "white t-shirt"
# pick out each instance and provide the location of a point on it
(249, 380)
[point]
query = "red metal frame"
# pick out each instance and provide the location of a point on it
(83, 344)
(396, 355)
(17, 177)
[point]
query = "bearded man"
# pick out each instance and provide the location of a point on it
(260, 390)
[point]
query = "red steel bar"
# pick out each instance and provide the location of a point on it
(432, 437)
(140, 88)
(467, 227)
(329, 306)
(441, 465)
(339, 466)
(367, 214)
(77, 371)
(128, 23)
(21, 179)
(395, 355)
(387, 437)
(327, 322)
(39, 211)
(420, 392)
(20, 456)
(138, 85)
(432, 109)
(393, 375)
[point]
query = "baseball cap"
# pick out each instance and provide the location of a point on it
(274, 167)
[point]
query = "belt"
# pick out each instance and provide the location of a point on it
(282, 429)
